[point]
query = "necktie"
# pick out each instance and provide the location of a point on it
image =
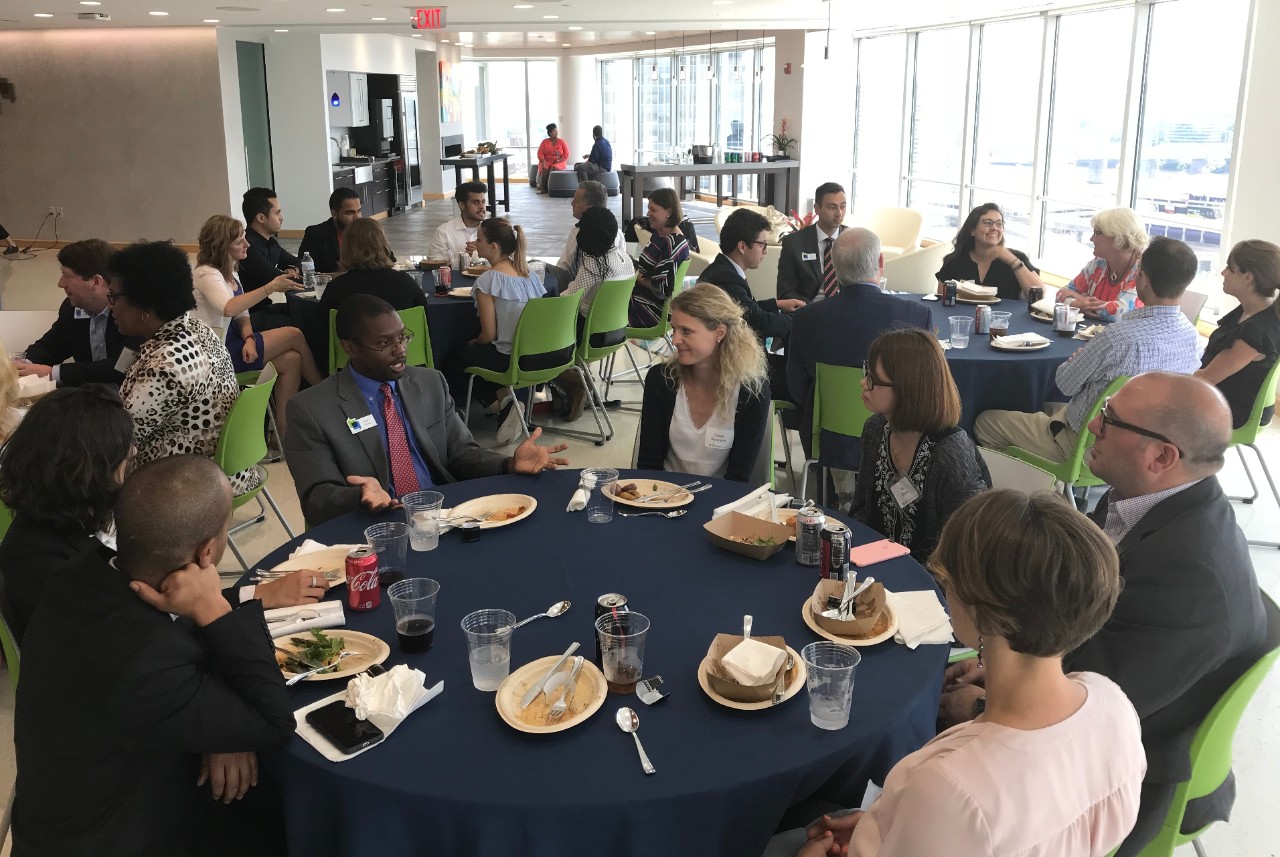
(404, 480)
(829, 286)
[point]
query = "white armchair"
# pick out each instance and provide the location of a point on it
(899, 230)
(914, 272)
(764, 280)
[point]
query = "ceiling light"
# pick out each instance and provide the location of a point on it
(90, 3)
(565, 45)
(442, 41)
(335, 10)
(159, 14)
(575, 28)
(650, 33)
(417, 35)
(280, 31)
(550, 16)
(523, 6)
(377, 19)
(721, 2)
(43, 15)
(211, 20)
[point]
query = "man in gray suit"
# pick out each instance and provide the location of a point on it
(805, 269)
(380, 429)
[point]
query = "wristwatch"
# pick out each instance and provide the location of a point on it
(1016, 265)
(979, 705)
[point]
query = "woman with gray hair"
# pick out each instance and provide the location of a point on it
(1107, 287)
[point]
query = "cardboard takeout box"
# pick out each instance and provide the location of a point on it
(725, 686)
(870, 605)
(727, 531)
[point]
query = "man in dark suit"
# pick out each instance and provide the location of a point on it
(114, 766)
(263, 220)
(1190, 619)
(379, 429)
(805, 269)
(840, 330)
(324, 240)
(85, 330)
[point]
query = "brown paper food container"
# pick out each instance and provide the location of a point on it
(870, 604)
(726, 530)
(725, 686)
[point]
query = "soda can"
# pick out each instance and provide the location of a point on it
(1062, 319)
(610, 602)
(835, 552)
(464, 260)
(949, 290)
(362, 579)
(444, 280)
(1035, 294)
(982, 320)
(809, 523)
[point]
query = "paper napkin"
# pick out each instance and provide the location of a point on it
(312, 546)
(921, 618)
(578, 501)
(385, 701)
(30, 386)
(760, 503)
(1020, 340)
(295, 619)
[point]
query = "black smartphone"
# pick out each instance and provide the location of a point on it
(340, 726)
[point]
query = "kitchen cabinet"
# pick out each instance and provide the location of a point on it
(373, 183)
(351, 92)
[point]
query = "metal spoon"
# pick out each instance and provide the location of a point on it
(300, 676)
(629, 722)
(553, 611)
(676, 514)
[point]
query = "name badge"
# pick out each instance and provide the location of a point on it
(719, 439)
(904, 493)
(808, 257)
(361, 424)
(127, 358)
(81, 313)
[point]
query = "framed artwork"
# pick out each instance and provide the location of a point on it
(450, 94)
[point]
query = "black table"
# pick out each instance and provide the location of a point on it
(454, 779)
(474, 164)
(783, 194)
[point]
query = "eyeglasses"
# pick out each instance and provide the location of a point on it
(988, 222)
(112, 297)
(764, 244)
(870, 378)
(388, 343)
(1108, 420)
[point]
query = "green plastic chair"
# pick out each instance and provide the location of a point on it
(837, 408)
(1248, 433)
(10, 647)
(418, 352)
(661, 330)
(543, 347)
(1072, 472)
(249, 379)
(6, 518)
(243, 445)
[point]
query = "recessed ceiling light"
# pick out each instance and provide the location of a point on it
(210, 20)
(90, 3)
(442, 41)
(721, 2)
(335, 10)
(650, 33)
(565, 45)
(280, 31)
(43, 15)
(575, 28)
(159, 14)
(550, 16)
(377, 19)
(468, 45)
(523, 6)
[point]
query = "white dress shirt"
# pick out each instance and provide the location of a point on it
(450, 239)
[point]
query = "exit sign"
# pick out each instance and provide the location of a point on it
(428, 18)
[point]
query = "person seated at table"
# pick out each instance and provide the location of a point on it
(706, 409)
(346, 429)
(10, 413)
(590, 194)
(1053, 764)
(917, 465)
(220, 297)
(266, 259)
(1154, 337)
(459, 233)
(1107, 287)
(980, 255)
(686, 227)
(805, 267)
(370, 269)
(85, 330)
(598, 160)
(1246, 343)
(174, 704)
(553, 154)
(656, 267)
(324, 240)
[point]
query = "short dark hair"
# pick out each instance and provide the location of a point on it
(1170, 266)
(824, 189)
(670, 200)
(257, 200)
(464, 190)
(597, 131)
(154, 276)
(341, 195)
(597, 230)
(1260, 258)
(355, 312)
(59, 467)
(88, 258)
(743, 225)
(551, 126)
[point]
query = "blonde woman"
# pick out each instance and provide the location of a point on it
(706, 411)
(1107, 287)
(219, 297)
(10, 414)
(370, 270)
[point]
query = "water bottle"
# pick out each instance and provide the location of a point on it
(308, 271)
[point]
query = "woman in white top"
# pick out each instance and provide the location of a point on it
(705, 411)
(1052, 764)
(219, 297)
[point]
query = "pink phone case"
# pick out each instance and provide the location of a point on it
(870, 554)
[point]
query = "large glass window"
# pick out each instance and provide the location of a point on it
(618, 110)
(653, 113)
(937, 126)
(877, 155)
(512, 101)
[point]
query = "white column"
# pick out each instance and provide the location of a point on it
(1252, 195)
(579, 96)
(299, 127)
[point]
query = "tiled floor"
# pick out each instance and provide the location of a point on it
(1255, 830)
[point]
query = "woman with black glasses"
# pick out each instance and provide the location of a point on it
(981, 256)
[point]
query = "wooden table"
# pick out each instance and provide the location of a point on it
(779, 181)
(474, 164)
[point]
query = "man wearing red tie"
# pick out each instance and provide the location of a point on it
(805, 269)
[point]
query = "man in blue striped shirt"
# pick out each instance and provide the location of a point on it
(1154, 337)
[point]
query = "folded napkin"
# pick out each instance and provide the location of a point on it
(752, 663)
(385, 701)
(1020, 340)
(295, 619)
(760, 503)
(312, 546)
(578, 501)
(972, 289)
(30, 386)
(921, 618)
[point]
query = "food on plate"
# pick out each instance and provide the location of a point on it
(1092, 330)
(787, 520)
(627, 492)
(310, 652)
(754, 540)
(508, 513)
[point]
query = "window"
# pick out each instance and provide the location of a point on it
(618, 113)
(937, 127)
(877, 156)
(653, 114)
(512, 102)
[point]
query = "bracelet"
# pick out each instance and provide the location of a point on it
(1020, 264)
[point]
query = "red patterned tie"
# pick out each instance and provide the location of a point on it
(404, 479)
(829, 286)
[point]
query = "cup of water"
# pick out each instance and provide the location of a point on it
(422, 514)
(961, 327)
(599, 483)
(830, 669)
(489, 646)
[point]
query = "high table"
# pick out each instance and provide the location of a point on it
(455, 779)
(783, 193)
(474, 164)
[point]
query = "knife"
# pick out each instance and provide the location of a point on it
(532, 693)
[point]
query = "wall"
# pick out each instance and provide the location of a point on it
(122, 128)
(828, 108)
(299, 128)
(232, 121)
(788, 89)
(374, 53)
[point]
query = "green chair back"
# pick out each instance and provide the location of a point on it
(1248, 432)
(1073, 471)
(8, 644)
(417, 354)
(837, 403)
(243, 442)
(663, 326)
(606, 328)
(6, 518)
(545, 343)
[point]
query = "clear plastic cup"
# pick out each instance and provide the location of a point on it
(390, 541)
(489, 646)
(599, 483)
(322, 283)
(422, 514)
(830, 682)
(1000, 323)
(414, 600)
(961, 327)
(622, 638)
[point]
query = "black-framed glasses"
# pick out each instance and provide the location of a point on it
(764, 244)
(386, 344)
(1109, 420)
(871, 379)
(988, 223)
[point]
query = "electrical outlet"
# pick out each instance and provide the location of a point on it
(53, 209)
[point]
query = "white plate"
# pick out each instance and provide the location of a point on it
(331, 562)
(653, 486)
(591, 686)
(807, 610)
(481, 505)
(799, 674)
(1036, 347)
(461, 292)
(977, 300)
(369, 650)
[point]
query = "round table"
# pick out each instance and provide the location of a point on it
(455, 779)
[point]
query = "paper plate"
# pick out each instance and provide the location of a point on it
(590, 695)
(475, 270)
(1036, 347)
(482, 505)
(432, 264)
(332, 562)
(798, 675)
(977, 300)
(369, 650)
(461, 292)
(809, 620)
(652, 486)
(1036, 316)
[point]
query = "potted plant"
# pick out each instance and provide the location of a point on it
(781, 143)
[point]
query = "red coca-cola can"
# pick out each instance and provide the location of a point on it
(362, 579)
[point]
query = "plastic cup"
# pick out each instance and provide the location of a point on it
(961, 327)
(322, 283)
(1000, 323)
(489, 646)
(599, 483)
(830, 681)
(622, 639)
(422, 514)
(414, 600)
(390, 541)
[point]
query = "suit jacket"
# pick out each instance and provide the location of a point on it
(798, 277)
(68, 339)
(1188, 623)
(839, 331)
(265, 261)
(110, 770)
(31, 555)
(322, 452)
(764, 317)
(321, 241)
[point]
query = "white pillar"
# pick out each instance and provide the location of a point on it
(299, 127)
(1255, 171)
(579, 97)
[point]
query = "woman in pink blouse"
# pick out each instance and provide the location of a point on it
(1107, 287)
(1052, 764)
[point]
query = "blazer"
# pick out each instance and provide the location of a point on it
(395, 287)
(112, 771)
(799, 277)
(322, 452)
(265, 261)
(749, 423)
(764, 317)
(31, 554)
(321, 241)
(68, 339)
(839, 331)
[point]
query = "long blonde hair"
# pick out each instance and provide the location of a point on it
(8, 392)
(739, 356)
(216, 236)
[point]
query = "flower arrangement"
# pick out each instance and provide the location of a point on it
(780, 141)
(797, 222)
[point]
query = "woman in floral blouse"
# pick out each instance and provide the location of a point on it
(1107, 287)
(182, 385)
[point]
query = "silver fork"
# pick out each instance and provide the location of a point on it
(566, 698)
(481, 518)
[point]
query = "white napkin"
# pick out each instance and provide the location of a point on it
(1020, 340)
(760, 503)
(971, 288)
(312, 546)
(921, 618)
(752, 662)
(331, 616)
(35, 385)
(578, 501)
(407, 693)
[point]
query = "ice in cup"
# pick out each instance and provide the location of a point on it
(489, 646)
(422, 514)
(961, 327)
(830, 669)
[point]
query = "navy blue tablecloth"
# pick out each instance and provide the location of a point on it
(455, 779)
